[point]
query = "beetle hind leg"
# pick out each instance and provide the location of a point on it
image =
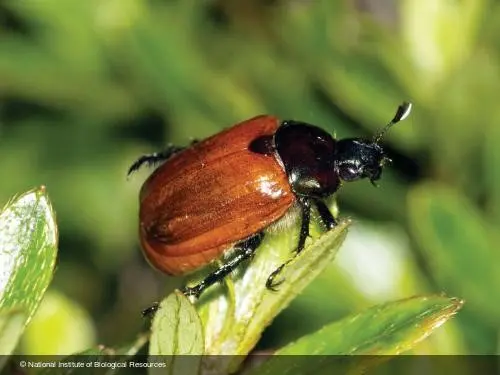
(244, 250)
(155, 158)
(150, 311)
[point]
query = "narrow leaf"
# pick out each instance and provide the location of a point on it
(236, 321)
(458, 245)
(491, 164)
(387, 329)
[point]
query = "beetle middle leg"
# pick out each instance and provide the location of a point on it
(326, 215)
(305, 205)
(244, 250)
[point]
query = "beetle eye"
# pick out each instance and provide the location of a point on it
(349, 172)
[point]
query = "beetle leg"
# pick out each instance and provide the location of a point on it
(270, 283)
(155, 158)
(244, 250)
(151, 310)
(325, 213)
(305, 205)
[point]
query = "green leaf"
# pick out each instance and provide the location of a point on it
(131, 349)
(28, 249)
(11, 326)
(101, 354)
(387, 329)
(236, 321)
(176, 331)
(439, 36)
(60, 326)
(491, 163)
(458, 246)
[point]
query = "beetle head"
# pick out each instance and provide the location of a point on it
(358, 158)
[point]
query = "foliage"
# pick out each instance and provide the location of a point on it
(28, 243)
(87, 87)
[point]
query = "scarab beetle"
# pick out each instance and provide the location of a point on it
(223, 192)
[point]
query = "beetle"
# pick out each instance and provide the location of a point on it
(224, 192)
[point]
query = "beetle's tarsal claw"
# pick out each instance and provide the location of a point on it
(273, 286)
(191, 292)
(270, 283)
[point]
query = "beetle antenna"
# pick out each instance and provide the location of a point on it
(402, 112)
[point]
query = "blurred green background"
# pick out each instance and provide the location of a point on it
(88, 86)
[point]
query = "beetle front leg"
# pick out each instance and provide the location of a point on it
(305, 205)
(244, 250)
